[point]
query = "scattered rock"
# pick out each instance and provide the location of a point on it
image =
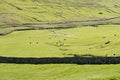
(36, 42)
(65, 39)
(90, 48)
(100, 13)
(103, 37)
(108, 42)
(75, 55)
(114, 54)
(115, 34)
(30, 42)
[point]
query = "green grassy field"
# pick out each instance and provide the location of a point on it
(55, 43)
(15, 13)
(59, 72)
(24, 11)
(43, 43)
(96, 39)
(48, 10)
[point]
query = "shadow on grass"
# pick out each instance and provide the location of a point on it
(61, 60)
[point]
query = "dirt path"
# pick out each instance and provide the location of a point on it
(62, 24)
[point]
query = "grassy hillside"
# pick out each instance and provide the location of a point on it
(94, 30)
(14, 14)
(15, 11)
(54, 43)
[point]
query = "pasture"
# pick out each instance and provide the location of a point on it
(98, 41)
(59, 72)
(59, 28)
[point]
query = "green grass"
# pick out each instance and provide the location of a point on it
(19, 11)
(81, 40)
(59, 72)
(14, 12)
